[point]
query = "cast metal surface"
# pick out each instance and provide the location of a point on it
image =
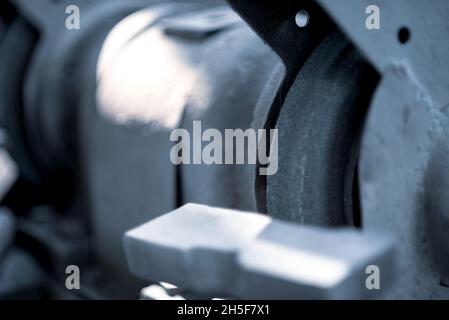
(402, 141)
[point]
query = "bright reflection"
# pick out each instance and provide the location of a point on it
(144, 80)
(302, 266)
(120, 35)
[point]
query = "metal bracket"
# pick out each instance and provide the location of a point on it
(425, 51)
(405, 133)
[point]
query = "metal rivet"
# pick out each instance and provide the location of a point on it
(302, 19)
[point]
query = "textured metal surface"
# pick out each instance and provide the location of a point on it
(403, 146)
(425, 52)
(396, 193)
(246, 255)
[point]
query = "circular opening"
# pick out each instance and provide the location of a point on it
(302, 19)
(404, 35)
